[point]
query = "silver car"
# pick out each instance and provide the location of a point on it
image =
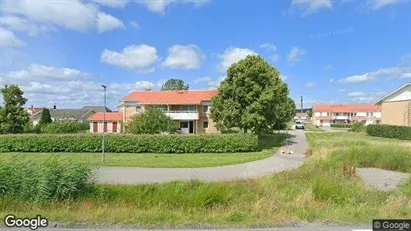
(299, 124)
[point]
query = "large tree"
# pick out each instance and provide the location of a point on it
(13, 117)
(252, 97)
(174, 84)
(151, 121)
(45, 117)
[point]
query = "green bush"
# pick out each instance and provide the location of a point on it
(389, 131)
(341, 125)
(152, 121)
(50, 181)
(64, 127)
(357, 127)
(127, 143)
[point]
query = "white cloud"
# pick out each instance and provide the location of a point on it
(36, 72)
(9, 39)
(184, 57)
(138, 57)
(328, 67)
(311, 6)
(161, 5)
(389, 72)
(73, 15)
(68, 87)
(268, 46)
(356, 94)
(202, 79)
(106, 22)
(112, 3)
(275, 57)
(332, 80)
(20, 24)
(284, 77)
(213, 84)
(406, 75)
(295, 54)
(378, 4)
(232, 55)
(342, 90)
(134, 24)
(310, 84)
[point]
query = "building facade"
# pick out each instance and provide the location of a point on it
(396, 106)
(189, 109)
(324, 115)
(110, 122)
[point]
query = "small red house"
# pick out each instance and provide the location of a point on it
(112, 124)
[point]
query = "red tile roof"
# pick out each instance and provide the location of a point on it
(346, 108)
(170, 97)
(110, 116)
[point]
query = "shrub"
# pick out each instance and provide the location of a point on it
(389, 131)
(151, 121)
(357, 127)
(48, 181)
(212, 143)
(341, 125)
(63, 127)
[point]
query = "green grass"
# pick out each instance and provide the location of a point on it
(268, 145)
(311, 127)
(316, 192)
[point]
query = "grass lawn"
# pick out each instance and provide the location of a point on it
(311, 127)
(268, 145)
(316, 192)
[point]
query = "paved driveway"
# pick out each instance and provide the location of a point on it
(274, 164)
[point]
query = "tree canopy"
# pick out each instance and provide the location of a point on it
(151, 121)
(13, 117)
(174, 84)
(45, 117)
(252, 97)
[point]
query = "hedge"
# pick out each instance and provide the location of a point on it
(341, 125)
(127, 143)
(389, 131)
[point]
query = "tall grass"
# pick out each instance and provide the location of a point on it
(49, 181)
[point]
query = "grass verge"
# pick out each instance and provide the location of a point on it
(316, 192)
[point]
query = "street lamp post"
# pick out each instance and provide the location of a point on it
(104, 123)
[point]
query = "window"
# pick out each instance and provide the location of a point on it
(205, 124)
(190, 108)
(138, 108)
(205, 108)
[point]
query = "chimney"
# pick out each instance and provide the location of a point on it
(147, 89)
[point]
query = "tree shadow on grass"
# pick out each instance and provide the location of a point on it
(269, 141)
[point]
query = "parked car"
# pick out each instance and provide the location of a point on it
(299, 124)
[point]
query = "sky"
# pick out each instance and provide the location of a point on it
(328, 51)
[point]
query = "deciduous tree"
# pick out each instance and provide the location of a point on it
(151, 121)
(252, 97)
(174, 84)
(13, 117)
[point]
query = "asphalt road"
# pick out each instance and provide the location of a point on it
(274, 164)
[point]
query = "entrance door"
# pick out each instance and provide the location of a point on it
(95, 127)
(184, 126)
(191, 127)
(114, 126)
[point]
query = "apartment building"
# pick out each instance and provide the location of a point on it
(190, 109)
(325, 115)
(396, 106)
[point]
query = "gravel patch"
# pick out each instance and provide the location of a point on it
(380, 179)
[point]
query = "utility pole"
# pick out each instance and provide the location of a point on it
(301, 105)
(104, 126)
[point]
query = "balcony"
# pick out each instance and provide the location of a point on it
(183, 115)
(341, 117)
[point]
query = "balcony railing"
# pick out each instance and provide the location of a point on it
(183, 115)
